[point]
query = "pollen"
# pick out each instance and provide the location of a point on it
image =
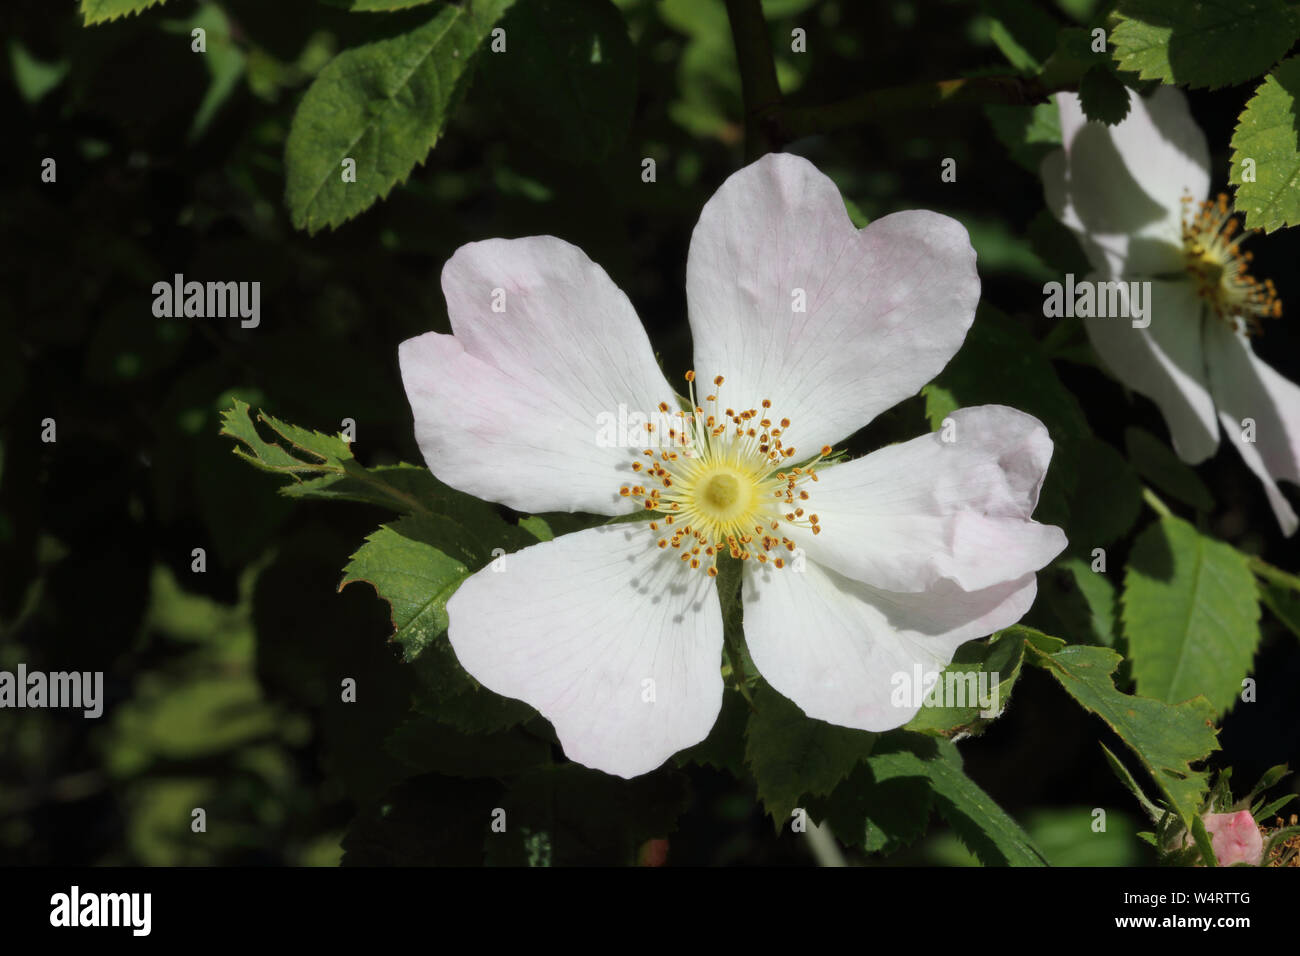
(725, 485)
(1218, 265)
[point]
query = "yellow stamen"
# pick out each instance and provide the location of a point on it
(727, 482)
(1217, 264)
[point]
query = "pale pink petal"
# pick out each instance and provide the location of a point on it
(885, 307)
(911, 515)
(515, 406)
(1166, 363)
(1120, 188)
(1235, 838)
(614, 641)
(846, 652)
(1245, 388)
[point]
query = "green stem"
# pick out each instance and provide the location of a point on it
(794, 122)
(757, 74)
(825, 849)
(770, 123)
(416, 506)
(1155, 504)
(1273, 575)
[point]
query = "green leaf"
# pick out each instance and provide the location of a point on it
(224, 61)
(1284, 604)
(323, 467)
(1153, 812)
(1157, 463)
(311, 451)
(1066, 837)
(1106, 501)
(567, 79)
(1024, 33)
(1103, 97)
(1044, 642)
(1059, 248)
(384, 105)
(1083, 601)
(724, 748)
(1028, 132)
(878, 816)
(33, 77)
(1270, 778)
(101, 11)
(416, 564)
(376, 6)
(1000, 658)
(1267, 813)
(1207, 43)
(1166, 739)
(980, 823)
(450, 696)
(792, 755)
(1266, 134)
(1191, 615)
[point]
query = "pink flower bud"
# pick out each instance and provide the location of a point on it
(1235, 838)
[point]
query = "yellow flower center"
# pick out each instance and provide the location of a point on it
(723, 484)
(1218, 265)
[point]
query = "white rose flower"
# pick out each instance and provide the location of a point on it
(851, 572)
(1137, 196)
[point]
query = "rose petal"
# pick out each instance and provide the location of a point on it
(1121, 188)
(611, 639)
(886, 306)
(1166, 363)
(514, 407)
(1235, 838)
(1245, 388)
(913, 514)
(843, 650)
